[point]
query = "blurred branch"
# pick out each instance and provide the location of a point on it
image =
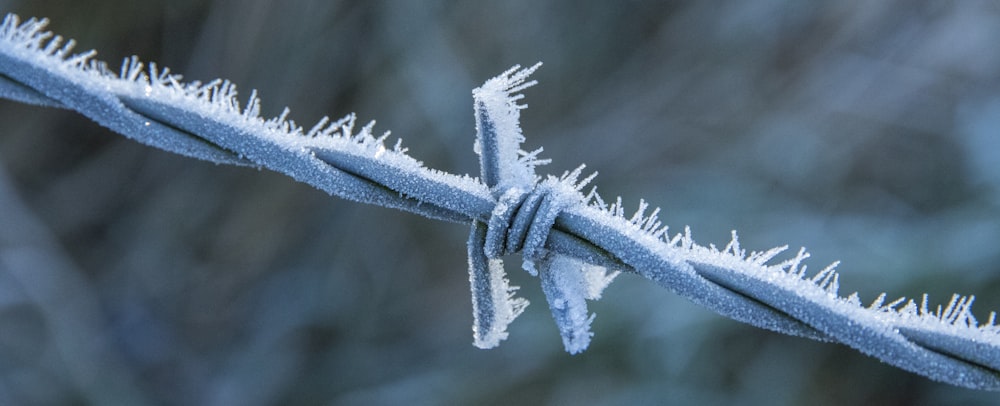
(31, 258)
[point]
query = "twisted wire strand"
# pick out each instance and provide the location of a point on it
(207, 121)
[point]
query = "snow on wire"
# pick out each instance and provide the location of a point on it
(574, 242)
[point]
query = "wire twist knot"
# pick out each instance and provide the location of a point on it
(520, 222)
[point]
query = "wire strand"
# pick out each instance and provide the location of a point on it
(206, 121)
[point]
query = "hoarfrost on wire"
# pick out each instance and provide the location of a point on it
(567, 283)
(498, 129)
(525, 211)
(575, 243)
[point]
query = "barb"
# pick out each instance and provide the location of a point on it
(574, 242)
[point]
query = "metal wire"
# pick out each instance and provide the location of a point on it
(947, 345)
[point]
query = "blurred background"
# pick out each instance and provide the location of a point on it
(868, 132)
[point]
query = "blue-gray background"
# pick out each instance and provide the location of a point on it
(866, 131)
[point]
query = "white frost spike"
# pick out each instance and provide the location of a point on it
(827, 279)
(761, 258)
(567, 283)
(794, 266)
(892, 305)
(733, 247)
(877, 304)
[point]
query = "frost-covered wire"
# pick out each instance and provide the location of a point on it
(573, 241)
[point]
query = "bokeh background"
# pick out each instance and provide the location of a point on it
(866, 131)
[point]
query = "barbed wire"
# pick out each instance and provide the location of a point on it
(574, 242)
